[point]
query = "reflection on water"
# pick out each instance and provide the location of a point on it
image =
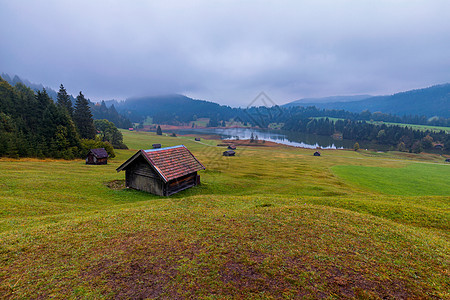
(290, 138)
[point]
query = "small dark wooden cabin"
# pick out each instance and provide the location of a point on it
(163, 171)
(229, 153)
(317, 153)
(97, 156)
(156, 146)
(232, 147)
(197, 139)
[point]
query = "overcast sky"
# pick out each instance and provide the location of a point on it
(227, 51)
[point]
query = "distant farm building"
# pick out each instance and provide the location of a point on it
(97, 156)
(162, 171)
(232, 147)
(447, 160)
(229, 153)
(439, 146)
(156, 146)
(317, 153)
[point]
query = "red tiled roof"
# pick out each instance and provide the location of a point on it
(173, 162)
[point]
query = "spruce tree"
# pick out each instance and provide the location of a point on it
(64, 100)
(82, 117)
(158, 130)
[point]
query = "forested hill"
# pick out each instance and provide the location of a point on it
(179, 109)
(332, 99)
(35, 87)
(432, 101)
(33, 125)
(99, 111)
(172, 108)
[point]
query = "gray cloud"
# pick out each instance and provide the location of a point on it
(227, 51)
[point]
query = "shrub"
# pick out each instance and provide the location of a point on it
(87, 145)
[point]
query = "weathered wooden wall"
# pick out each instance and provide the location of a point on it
(181, 183)
(140, 175)
(92, 160)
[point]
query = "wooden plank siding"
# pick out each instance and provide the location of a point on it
(144, 183)
(141, 176)
(182, 183)
(163, 171)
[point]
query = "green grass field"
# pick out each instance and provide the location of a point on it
(410, 180)
(270, 223)
(415, 126)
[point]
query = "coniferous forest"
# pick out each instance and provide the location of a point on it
(33, 125)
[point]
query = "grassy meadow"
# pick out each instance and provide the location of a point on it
(270, 223)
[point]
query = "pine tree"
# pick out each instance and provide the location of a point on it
(64, 100)
(158, 130)
(82, 117)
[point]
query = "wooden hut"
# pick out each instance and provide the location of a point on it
(163, 171)
(317, 153)
(232, 147)
(156, 146)
(97, 156)
(229, 153)
(197, 139)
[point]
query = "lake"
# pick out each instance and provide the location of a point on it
(295, 139)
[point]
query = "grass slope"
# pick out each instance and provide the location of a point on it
(273, 222)
(411, 180)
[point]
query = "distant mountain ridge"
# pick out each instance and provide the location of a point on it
(165, 107)
(327, 100)
(431, 101)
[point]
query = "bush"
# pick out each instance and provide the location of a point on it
(87, 145)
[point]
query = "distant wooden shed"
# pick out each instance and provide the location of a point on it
(163, 171)
(197, 139)
(229, 153)
(156, 146)
(317, 153)
(97, 156)
(232, 147)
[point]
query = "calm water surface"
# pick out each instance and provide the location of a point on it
(296, 139)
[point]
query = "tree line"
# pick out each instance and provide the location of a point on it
(33, 125)
(401, 138)
(351, 126)
(101, 111)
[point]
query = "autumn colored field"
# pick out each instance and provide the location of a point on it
(271, 223)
